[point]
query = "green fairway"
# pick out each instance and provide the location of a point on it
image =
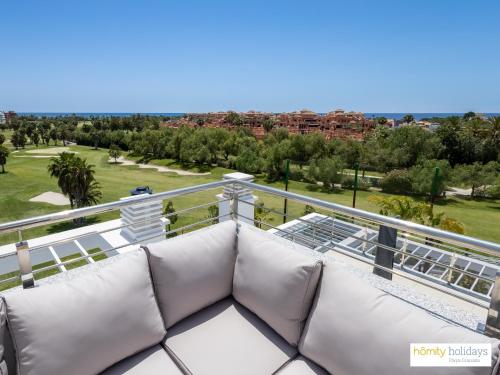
(27, 177)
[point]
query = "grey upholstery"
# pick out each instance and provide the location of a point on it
(3, 323)
(355, 328)
(3, 329)
(154, 360)
(109, 322)
(9, 354)
(87, 324)
(301, 366)
(275, 281)
(226, 338)
(193, 271)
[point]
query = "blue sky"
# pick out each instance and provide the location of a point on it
(181, 56)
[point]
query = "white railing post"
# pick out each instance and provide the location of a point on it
(245, 199)
(25, 267)
(143, 221)
(404, 249)
(493, 320)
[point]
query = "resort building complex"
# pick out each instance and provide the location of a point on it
(335, 124)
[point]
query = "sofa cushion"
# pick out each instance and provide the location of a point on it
(154, 360)
(3, 332)
(84, 325)
(226, 338)
(355, 328)
(275, 279)
(301, 366)
(194, 270)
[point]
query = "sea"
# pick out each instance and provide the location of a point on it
(395, 116)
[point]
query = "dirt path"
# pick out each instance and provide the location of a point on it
(122, 161)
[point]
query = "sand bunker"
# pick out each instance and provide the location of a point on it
(50, 151)
(50, 197)
(34, 156)
(159, 168)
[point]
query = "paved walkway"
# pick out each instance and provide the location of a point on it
(122, 161)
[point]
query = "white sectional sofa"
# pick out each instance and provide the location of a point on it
(227, 299)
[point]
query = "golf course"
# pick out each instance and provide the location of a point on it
(27, 178)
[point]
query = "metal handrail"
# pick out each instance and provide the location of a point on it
(57, 217)
(404, 275)
(138, 242)
(454, 238)
(457, 239)
(148, 219)
(331, 230)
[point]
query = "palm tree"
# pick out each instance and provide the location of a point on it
(494, 131)
(76, 179)
(85, 188)
(60, 168)
(408, 118)
(422, 213)
(268, 125)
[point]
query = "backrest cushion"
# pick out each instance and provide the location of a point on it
(84, 325)
(194, 270)
(355, 328)
(275, 279)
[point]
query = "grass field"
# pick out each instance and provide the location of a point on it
(27, 177)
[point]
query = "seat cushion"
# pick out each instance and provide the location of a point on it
(194, 270)
(226, 338)
(276, 279)
(154, 360)
(84, 325)
(301, 366)
(355, 328)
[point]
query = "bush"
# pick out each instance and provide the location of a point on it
(422, 176)
(297, 174)
(348, 183)
(493, 191)
(396, 182)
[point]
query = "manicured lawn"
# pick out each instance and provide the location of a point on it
(480, 217)
(38, 276)
(28, 177)
(97, 257)
(74, 264)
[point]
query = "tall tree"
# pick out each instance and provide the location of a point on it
(4, 153)
(408, 118)
(233, 118)
(53, 135)
(35, 138)
(328, 171)
(422, 176)
(469, 115)
(114, 152)
(268, 125)
(18, 139)
(476, 176)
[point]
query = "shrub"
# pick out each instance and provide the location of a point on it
(493, 191)
(297, 174)
(397, 182)
(348, 183)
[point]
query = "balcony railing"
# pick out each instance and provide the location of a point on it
(454, 264)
